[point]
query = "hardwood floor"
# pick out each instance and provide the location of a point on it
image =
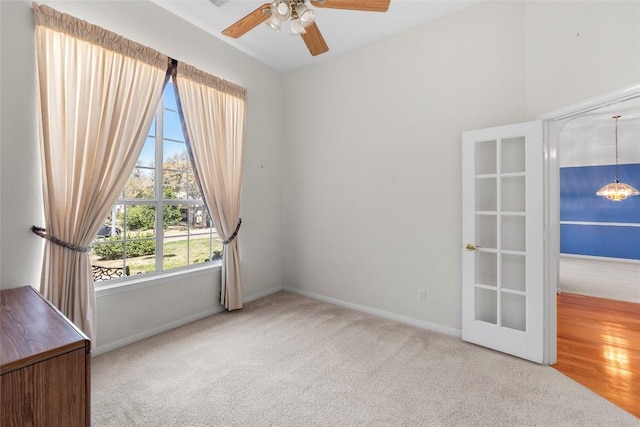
(599, 347)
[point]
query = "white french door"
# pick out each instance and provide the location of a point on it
(503, 239)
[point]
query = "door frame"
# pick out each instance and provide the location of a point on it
(553, 122)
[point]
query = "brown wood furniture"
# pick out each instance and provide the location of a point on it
(599, 347)
(44, 364)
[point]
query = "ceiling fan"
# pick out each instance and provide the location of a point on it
(301, 17)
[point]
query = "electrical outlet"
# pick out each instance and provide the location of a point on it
(422, 294)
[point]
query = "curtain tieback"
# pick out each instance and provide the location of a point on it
(235, 233)
(43, 233)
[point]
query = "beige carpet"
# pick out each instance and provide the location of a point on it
(286, 360)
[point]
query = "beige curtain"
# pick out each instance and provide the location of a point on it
(213, 113)
(97, 97)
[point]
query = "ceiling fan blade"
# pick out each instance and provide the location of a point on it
(314, 40)
(368, 6)
(249, 22)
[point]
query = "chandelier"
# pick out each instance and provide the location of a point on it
(295, 11)
(617, 191)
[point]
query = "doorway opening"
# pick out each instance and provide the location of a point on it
(596, 337)
(599, 238)
(554, 123)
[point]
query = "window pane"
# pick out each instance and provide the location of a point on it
(194, 188)
(198, 220)
(201, 247)
(199, 236)
(107, 249)
(107, 260)
(175, 220)
(192, 240)
(169, 97)
(171, 126)
(152, 128)
(176, 232)
(216, 248)
(210, 223)
(139, 221)
(140, 244)
(140, 184)
(140, 254)
(109, 227)
(175, 185)
(175, 174)
(172, 129)
(174, 155)
(148, 153)
(175, 252)
(215, 252)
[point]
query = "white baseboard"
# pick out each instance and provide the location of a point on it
(260, 295)
(380, 313)
(151, 332)
(172, 325)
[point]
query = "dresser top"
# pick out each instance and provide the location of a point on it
(33, 330)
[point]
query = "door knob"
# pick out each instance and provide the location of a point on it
(471, 247)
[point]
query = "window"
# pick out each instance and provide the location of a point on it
(160, 222)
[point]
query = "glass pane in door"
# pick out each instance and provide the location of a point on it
(513, 310)
(486, 158)
(513, 194)
(486, 195)
(513, 233)
(487, 305)
(486, 269)
(513, 155)
(486, 231)
(513, 272)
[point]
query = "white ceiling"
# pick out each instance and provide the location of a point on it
(343, 30)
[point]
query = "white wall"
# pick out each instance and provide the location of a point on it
(579, 49)
(372, 172)
(21, 189)
(372, 164)
(132, 314)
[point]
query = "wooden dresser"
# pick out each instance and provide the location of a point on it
(44, 364)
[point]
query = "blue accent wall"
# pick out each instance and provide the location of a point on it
(578, 202)
(596, 240)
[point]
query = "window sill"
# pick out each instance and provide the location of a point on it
(132, 283)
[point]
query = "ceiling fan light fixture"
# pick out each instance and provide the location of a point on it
(297, 28)
(306, 16)
(274, 23)
(281, 9)
(617, 191)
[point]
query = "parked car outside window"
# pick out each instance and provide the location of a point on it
(105, 231)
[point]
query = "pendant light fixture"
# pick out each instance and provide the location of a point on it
(617, 191)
